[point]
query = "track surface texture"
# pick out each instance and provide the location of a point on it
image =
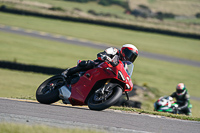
(107, 120)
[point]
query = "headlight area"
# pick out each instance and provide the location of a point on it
(121, 76)
(128, 86)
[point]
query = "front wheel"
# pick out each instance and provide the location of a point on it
(47, 92)
(102, 101)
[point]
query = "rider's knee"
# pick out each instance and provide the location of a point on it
(82, 64)
(86, 64)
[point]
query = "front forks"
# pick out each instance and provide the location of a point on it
(102, 91)
(127, 95)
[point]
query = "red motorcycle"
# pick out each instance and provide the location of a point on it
(99, 88)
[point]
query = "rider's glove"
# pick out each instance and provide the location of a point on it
(106, 58)
(178, 108)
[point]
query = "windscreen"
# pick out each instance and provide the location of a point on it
(128, 66)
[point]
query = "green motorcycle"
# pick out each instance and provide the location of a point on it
(166, 104)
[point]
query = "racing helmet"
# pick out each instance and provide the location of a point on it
(128, 52)
(180, 89)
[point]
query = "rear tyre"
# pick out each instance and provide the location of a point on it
(47, 92)
(96, 102)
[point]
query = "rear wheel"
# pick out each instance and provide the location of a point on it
(99, 101)
(47, 92)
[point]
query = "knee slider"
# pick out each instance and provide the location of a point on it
(90, 64)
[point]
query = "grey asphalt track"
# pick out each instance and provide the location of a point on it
(82, 42)
(108, 120)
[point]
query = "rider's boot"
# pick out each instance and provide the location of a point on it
(189, 114)
(64, 73)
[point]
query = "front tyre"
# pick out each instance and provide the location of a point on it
(101, 102)
(47, 92)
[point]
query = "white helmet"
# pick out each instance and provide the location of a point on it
(128, 52)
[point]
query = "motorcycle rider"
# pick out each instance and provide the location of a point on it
(182, 99)
(128, 52)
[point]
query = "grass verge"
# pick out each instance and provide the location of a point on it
(24, 128)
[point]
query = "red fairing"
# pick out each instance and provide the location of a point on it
(81, 89)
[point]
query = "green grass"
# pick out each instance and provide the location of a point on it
(165, 76)
(188, 21)
(16, 84)
(24, 128)
(154, 43)
(42, 52)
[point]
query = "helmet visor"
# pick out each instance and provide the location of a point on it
(129, 55)
(180, 91)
